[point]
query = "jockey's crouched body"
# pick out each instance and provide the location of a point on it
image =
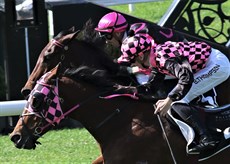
(197, 66)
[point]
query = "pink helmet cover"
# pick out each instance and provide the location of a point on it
(135, 46)
(112, 21)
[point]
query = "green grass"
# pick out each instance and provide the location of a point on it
(61, 146)
(151, 11)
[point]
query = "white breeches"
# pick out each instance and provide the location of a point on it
(217, 70)
(142, 78)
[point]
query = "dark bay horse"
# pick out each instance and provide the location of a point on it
(74, 48)
(126, 129)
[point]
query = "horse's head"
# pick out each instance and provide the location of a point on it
(65, 48)
(55, 96)
(51, 55)
(42, 111)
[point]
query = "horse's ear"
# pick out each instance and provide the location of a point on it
(54, 74)
(73, 35)
(58, 69)
(72, 29)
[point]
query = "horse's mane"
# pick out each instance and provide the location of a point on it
(104, 73)
(89, 35)
(98, 77)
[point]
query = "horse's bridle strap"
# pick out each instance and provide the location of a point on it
(57, 43)
(62, 116)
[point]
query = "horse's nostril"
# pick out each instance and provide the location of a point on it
(25, 92)
(16, 138)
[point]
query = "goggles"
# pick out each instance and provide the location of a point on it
(108, 36)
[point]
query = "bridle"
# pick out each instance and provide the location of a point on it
(62, 46)
(49, 107)
(52, 113)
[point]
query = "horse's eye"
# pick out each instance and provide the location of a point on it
(36, 105)
(50, 50)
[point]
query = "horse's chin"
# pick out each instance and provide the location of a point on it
(27, 143)
(25, 146)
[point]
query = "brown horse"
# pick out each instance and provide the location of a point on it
(73, 49)
(126, 129)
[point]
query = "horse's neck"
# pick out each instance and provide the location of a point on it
(111, 122)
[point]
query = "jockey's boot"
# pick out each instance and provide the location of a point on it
(206, 141)
(191, 116)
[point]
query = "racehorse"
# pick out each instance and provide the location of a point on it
(125, 127)
(73, 48)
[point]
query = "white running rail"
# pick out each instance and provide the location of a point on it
(12, 108)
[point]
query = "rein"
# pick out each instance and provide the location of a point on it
(43, 114)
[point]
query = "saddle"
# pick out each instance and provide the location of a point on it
(217, 119)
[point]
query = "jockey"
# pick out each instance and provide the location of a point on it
(197, 66)
(114, 27)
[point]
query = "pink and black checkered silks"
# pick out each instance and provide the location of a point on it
(196, 52)
(135, 46)
(51, 109)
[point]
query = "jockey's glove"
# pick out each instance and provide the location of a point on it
(133, 70)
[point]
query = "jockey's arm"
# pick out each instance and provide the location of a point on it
(185, 78)
(156, 80)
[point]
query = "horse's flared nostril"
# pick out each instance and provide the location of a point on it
(15, 138)
(25, 92)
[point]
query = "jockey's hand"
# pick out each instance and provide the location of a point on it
(133, 70)
(162, 106)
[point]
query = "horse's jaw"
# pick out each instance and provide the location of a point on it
(21, 142)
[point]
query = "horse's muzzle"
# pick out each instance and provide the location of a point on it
(21, 143)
